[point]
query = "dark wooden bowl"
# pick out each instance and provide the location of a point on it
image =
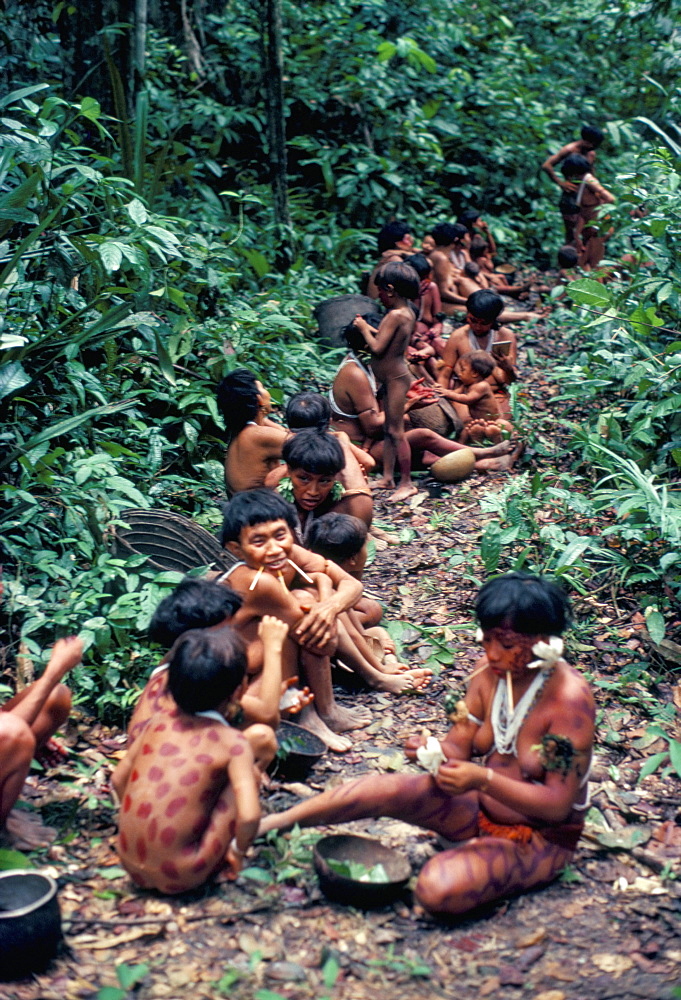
(30, 923)
(369, 852)
(299, 751)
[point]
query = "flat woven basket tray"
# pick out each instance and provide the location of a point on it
(169, 541)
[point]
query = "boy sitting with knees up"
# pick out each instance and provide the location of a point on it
(476, 403)
(189, 785)
(201, 603)
(273, 577)
(311, 595)
(344, 540)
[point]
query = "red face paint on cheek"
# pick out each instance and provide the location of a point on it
(155, 773)
(174, 807)
(163, 790)
(153, 830)
(237, 750)
(168, 749)
(123, 841)
(169, 869)
(127, 802)
(141, 849)
(144, 811)
(204, 758)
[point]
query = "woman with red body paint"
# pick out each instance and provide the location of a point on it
(516, 815)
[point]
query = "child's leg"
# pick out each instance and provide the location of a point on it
(17, 746)
(326, 717)
(396, 446)
(355, 653)
(486, 869)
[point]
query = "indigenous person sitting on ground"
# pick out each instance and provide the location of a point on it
(254, 442)
(481, 255)
(356, 410)
(398, 285)
(201, 603)
(579, 208)
(448, 239)
(313, 461)
(311, 410)
(189, 786)
(395, 243)
(482, 332)
(427, 244)
(517, 815)
(460, 252)
(344, 539)
(586, 146)
(476, 225)
(427, 334)
(28, 721)
(471, 279)
(272, 576)
(476, 403)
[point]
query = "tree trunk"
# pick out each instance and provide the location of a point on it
(276, 128)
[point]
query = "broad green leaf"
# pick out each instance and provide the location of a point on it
(10, 860)
(625, 838)
(257, 875)
(588, 292)
(90, 108)
(656, 626)
(111, 255)
(164, 361)
(137, 212)
(675, 755)
(111, 993)
(128, 975)
(12, 378)
(652, 764)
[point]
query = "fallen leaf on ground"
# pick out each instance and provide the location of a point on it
(615, 965)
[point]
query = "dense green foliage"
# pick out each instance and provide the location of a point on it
(138, 265)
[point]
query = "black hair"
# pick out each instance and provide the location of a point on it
(469, 218)
(421, 264)
(401, 276)
(238, 400)
(317, 453)
(445, 233)
(471, 269)
(478, 248)
(482, 363)
(354, 338)
(531, 605)
(567, 256)
(206, 668)
(575, 165)
(254, 507)
(337, 536)
(308, 409)
(195, 603)
(391, 234)
(460, 231)
(592, 135)
(485, 305)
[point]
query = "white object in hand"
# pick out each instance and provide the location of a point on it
(431, 756)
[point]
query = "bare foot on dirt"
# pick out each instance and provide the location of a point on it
(409, 680)
(391, 665)
(342, 719)
(383, 536)
(503, 464)
(503, 448)
(403, 493)
(309, 719)
(51, 754)
(24, 832)
(382, 484)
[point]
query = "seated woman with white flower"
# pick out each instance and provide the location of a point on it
(516, 814)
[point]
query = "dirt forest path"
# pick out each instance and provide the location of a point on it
(610, 928)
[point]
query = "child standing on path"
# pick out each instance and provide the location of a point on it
(398, 285)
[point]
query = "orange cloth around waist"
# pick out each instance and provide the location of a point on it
(516, 831)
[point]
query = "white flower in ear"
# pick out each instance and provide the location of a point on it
(431, 756)
(479, 635)
(547, 653)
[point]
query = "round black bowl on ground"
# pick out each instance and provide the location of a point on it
(30, 923)
(299, 751)
(345, 847)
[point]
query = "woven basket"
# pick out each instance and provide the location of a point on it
(169, 541)
(439, 417)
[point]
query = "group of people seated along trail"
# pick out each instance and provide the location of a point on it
(202, 733)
